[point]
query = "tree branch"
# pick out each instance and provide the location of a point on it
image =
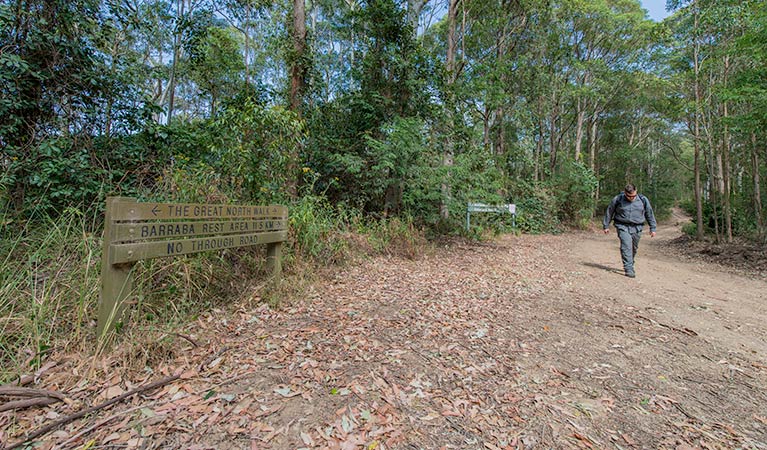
(72, 417)
(27, 403)
(16, 391)
(676, 157)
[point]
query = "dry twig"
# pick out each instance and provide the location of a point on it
(28, 403)
(72, 417)
(15, 391)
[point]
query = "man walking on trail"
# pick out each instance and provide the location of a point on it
(629, 211)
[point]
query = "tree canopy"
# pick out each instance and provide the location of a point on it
(393, 107)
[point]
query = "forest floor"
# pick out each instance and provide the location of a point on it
(524, 342)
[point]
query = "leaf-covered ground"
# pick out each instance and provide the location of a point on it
(523, 343)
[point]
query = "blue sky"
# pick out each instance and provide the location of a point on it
(656, 8)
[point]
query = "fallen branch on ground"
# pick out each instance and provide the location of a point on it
(28, 403)
(15, 391)
(37, 397)
(100, 423)
(686, 331)
(71, 418)
(147, 387)
(212, 358)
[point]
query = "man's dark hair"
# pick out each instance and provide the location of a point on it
(629, 188)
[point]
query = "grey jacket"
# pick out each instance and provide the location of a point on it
(630, 214)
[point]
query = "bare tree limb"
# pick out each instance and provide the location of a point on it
(673, 153)
(72, 417)
(16, 391)
(101, 423)
(28, 403)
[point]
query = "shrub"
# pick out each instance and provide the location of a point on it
(690, 228)
(396, 237)
(574, 188)
(536, 208)
(317, 230)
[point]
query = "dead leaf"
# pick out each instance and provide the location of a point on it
(58, 434)
(267, 412)
(307, 439)
(191, 373)
(110, 438)
(352, 443)
(628, 439)
(584, 439)
(112, 392)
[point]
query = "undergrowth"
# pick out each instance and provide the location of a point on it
(50, 281)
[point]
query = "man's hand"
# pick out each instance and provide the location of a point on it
(652, 234)
(606, 230)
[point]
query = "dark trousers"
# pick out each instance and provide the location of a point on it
(629, 236)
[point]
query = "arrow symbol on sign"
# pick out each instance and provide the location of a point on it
(155, 210)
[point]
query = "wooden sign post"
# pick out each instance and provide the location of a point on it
(134, 231)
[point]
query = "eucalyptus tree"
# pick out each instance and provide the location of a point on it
(298, 65)
(248, 17)
(217, 66)
(451, 73)
(298, 72)
(607, 36)
(688, 60)
(708, 61)
(368, 74)
(494, 31)
(748, 94)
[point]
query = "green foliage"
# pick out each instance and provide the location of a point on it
(536, 208)
(385, 135)
(380, 110)
(403, 177)
(473, 178)
(398, 236)
(318, 230)
(253, 153)
(574, 190)
(363, 161)
(57, 94)
(60, 173)
(241, 155)
(690, 229)
(688, 206)
(216, 65)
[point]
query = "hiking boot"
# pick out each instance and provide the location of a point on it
(631, 274)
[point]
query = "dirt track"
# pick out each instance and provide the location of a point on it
(680, 351)
(526, 342)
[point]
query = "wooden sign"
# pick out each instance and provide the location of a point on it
(135, 231)
(125, 210)
(483, 207)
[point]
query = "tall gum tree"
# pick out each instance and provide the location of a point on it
(450, 78)
(298, 71)
(718, 115)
